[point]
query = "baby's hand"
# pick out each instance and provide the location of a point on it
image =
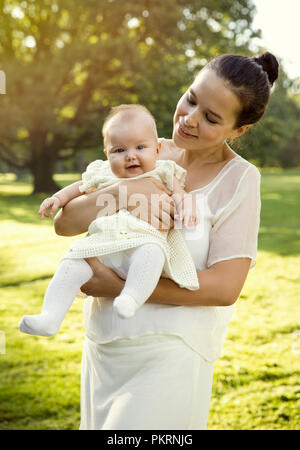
(49, 206)
(188, 212)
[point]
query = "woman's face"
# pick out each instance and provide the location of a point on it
(206, 114)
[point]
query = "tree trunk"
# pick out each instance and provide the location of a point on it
(42, 170)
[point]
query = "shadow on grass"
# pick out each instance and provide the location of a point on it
(21, 208)
(17, 201)
(19, 282)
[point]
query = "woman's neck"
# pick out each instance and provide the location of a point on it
(194, 158)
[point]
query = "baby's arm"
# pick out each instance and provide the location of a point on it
(186, 207)
(50, 205)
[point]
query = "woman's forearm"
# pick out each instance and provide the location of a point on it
(168, 292)
(220, 285)
(77, 215)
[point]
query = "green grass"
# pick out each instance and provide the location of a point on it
(256, 381)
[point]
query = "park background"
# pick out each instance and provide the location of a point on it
(66, 63)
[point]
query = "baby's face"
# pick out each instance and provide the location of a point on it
(131, 144)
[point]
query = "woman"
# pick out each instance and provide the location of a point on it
(155, 371)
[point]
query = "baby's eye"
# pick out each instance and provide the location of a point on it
(140, 147)
(119, 150)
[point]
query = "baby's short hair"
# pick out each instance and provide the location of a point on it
(125, 108)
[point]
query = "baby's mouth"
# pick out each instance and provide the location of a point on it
(133, 166)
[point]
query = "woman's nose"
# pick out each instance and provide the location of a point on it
(191, 120)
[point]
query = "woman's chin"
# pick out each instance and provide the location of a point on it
(180, 141)
(177, 140)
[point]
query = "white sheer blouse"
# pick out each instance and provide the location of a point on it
(230, 206)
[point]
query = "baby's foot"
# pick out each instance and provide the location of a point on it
(125, 306)
(39, 325)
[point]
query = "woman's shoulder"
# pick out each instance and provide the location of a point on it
(237, 176)
(247, 167)
(241, 178)
(169, 150)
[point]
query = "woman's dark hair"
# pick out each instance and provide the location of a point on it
(250, 79)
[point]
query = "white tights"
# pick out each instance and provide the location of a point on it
(145, 268)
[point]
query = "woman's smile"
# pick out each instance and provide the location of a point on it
(184, 133)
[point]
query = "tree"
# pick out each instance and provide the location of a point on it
(289, 156)
(68, 62)
(265, 143)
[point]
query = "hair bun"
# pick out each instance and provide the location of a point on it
(270, 65)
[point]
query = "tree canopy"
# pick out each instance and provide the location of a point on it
(67, 62)
(274, 140)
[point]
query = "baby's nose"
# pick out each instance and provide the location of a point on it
(131, 155)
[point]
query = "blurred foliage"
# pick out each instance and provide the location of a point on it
(275, 140)
(68, 62)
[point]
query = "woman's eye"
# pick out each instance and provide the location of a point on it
(190, 101)
(210, 120)
(140, 147)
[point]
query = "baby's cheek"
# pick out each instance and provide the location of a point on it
(149, 163)
(117, 167)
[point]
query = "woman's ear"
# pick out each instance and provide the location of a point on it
(239, 131)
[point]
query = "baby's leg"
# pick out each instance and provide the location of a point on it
(146, 265)
(61, 292)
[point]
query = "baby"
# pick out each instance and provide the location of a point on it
(136, 250)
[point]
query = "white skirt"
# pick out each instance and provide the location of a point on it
(150, 382)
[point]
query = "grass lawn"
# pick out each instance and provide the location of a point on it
(256, 381)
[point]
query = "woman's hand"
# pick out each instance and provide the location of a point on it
(187, 211)
(149, 200)
(104, 283)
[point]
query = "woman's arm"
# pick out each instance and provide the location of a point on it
(77, 215)
(220, 285)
